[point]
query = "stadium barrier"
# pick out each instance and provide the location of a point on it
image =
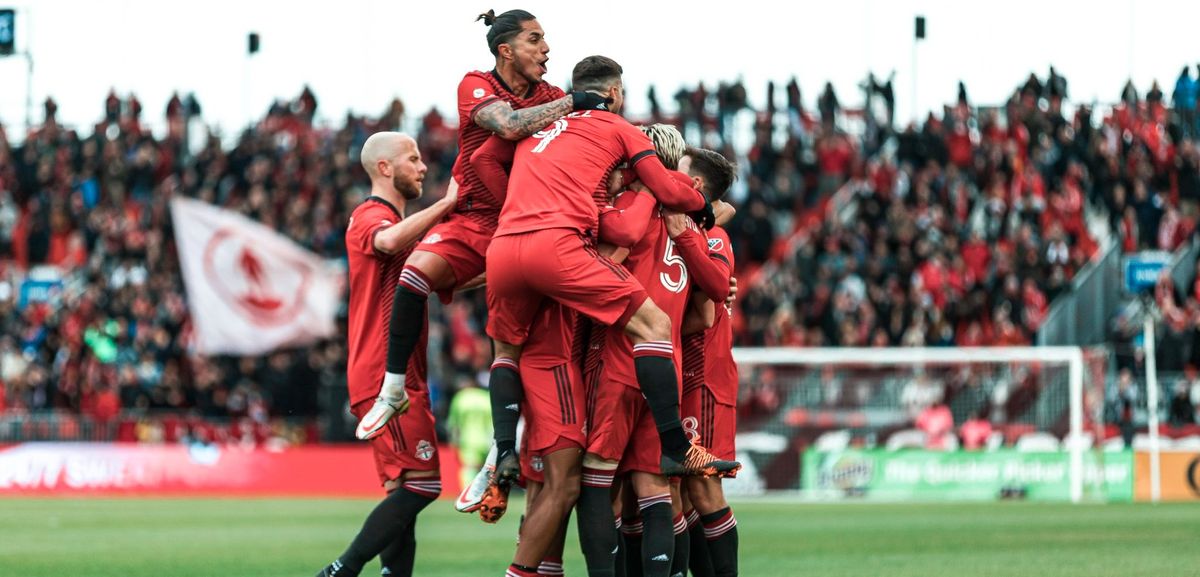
(1180, 476)
(92, 469)
(920, 475)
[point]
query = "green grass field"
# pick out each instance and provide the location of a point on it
(252, 538)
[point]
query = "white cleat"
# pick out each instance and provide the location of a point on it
(472, 495)
(392, 401)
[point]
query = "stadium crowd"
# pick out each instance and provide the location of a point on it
(850, 232)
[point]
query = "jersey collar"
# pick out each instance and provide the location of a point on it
(503, 84)
(384, 202)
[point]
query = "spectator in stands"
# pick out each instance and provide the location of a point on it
(1182, 411)
(938, 424)
(975, 432)
(1185, 101)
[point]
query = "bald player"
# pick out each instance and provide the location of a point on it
(378, 240)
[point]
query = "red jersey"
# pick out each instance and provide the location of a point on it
(558, 174)
(720, 372)
(373, 280)
(655, 264)
(477, 90)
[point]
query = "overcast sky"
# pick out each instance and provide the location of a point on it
(357, 54)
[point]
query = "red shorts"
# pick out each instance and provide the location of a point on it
(708, 423)
(554, 406)
(408, 443)
(533, 464)
(621, 428)
(560, 264)
(463, 243)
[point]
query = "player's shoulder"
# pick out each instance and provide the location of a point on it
(374, 209)
(717, 232)
(477, 75)
(480, 83)
(718, 239)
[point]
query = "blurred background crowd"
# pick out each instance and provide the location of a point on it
(851, 231)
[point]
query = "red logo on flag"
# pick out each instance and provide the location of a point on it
(267, 289)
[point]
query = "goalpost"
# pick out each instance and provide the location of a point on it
(865, 391)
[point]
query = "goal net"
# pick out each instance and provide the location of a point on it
(927, 424)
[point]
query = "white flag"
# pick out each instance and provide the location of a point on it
(250, 289)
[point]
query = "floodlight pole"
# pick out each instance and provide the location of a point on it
(28, 89)
(1152, 402)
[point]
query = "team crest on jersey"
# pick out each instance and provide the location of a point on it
(433, 238)
(424, 450)
(536, 463)
(479, 92)
(715, 244)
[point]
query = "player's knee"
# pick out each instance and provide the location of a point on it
(433, 267)
(507, 350)
(650, 323)
(564, 491)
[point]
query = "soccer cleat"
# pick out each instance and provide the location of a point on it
(698, 462)
(472, 495)
(392, 401)
(494, 502)
(495, 498)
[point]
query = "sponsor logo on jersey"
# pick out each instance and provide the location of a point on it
(479, 92)
(715, 244)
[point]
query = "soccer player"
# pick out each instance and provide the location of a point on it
(710, 388)
(550, 369)
(512, 101)
(544, 248)
(378, 239)
(668, 261)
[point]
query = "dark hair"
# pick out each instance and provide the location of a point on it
(717, 171)
(595, 73)
(503, 27)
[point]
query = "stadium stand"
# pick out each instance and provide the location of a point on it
(850, 232)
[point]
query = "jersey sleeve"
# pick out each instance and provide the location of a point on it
(492, 162)
(474, 92)
(710, 269)
(625, 223)
(364, 225)
(719, 247)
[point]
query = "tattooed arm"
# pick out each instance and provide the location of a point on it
(509, 124)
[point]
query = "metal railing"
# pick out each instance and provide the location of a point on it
(1080, 317)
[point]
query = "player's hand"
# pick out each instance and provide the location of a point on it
(677, 223)
(732, 291)
(583, 100)
(451, 197)
(705, 217)
(723, 211)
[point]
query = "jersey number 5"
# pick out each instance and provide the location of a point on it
(672, 259)
(548, 134)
